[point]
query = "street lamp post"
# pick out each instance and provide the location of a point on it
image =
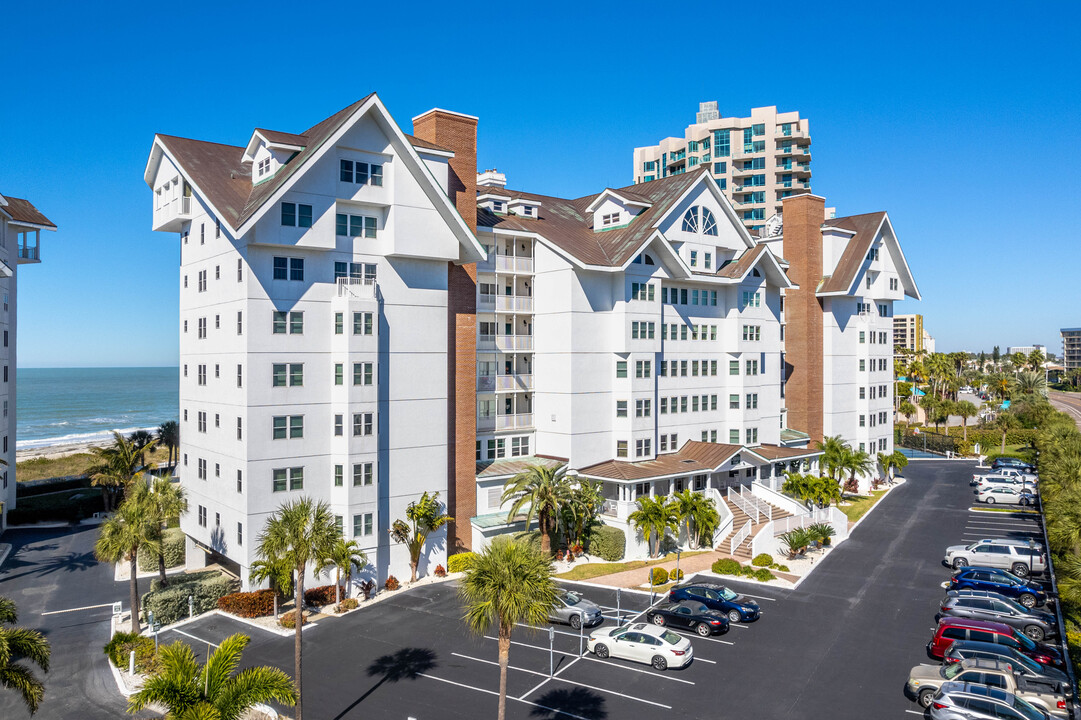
(678, 577)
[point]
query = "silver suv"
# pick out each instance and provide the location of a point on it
(972, 701)
(1013, 555)
(1037, 624)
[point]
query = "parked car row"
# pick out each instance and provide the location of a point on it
(990, 638)
(703, 608)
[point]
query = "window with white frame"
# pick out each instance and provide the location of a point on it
(361, 173)
(263, 167)
(296, 215)
(610, 219)
(348, 225)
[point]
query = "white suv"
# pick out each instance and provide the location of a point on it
(1013, 555)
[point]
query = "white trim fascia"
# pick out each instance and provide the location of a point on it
(609, 192)
(3, 201)
(486, 194)
(32, 226)
(448, 112)
(915, 294)
(859, 275)
(522, 201)
(432, 151)
(159, 146)
(812, 453)
(256, 135)
(833, 228)
(726, 205)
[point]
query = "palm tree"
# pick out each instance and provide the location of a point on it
(299, 533)
(169, 437)
(140, 438)
(544, 490)
(654, 518)
(278, 573)
(427, 516)
(169, 501)
(1030, 382)
(214, 691)
(343, 556)
(857, 462)
(508, 583)
(116, 465)
(1005, 422)
(18, 643)
(833, 448)
(966, 410)
(133, 525)
(696, 511)
(907, 409)
(579, 513)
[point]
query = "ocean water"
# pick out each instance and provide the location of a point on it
(57, 406)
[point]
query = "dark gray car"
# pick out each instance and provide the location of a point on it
(1022, 666)
(971, 701)
(1037, 624)
(575, 610)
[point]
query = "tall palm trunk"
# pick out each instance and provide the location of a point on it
(298, 615)
(133, 589)
(337, 585)
(161, 569)
(543, 524)
(504, 661)
(964, 424)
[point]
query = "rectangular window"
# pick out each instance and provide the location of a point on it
(363, 323)
(362, 424)
(296, 374)
(621, 368)
(339, 373)
(338, 425)
(621, 408)
(240, 376)
(362, 373)
(362, 474)
(240, 322)
(642, 408)
(621, 448)
(752, 401)
(278, 378)
(733, 402)
(239, 429)
(642, 368)
(362, 525)
(642, 448)
(339, 323)
(733, 367)
(279, 324)
(280, 480)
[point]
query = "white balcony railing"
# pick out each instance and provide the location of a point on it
(507, 263)
(513, 303)
(486, 302)
(504, 383)
(514, 422)
(505, 343)
(363, 288)
(619, 509)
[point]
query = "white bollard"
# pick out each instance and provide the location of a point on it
(131, 663)
(191, 607)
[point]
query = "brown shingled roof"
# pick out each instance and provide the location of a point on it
(693, 457)
(852, 258)
(513, 466)
(24, 211)
(284, 138)
(424, 144)
(777, 452)
(567, 224)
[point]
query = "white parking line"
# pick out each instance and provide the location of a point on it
(637, 670)
(207, 642)
(696, 636)
(535, 647)
(612, 692)
(914, 712)
(88, 607)
(493, 692)
(509, 667)
(557, 632)
(759, 597)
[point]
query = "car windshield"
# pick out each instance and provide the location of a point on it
(1028, 663)
(571, 599)
(1026, 709)
(671, 638)
(1024, 641)
(727, 594)
(952, 670)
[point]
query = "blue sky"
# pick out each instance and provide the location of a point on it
(963, 126)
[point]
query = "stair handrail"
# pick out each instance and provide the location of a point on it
(739, 537)
(741, 502)
(763, 507)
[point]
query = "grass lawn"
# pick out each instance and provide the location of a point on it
(588, 571)
(860, 506)
(40, 468)
(1019, 510)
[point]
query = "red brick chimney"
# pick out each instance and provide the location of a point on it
(803, 217)
(458, 133)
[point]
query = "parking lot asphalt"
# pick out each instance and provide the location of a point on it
(839, 646)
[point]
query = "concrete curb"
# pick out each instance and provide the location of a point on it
(602, 587)
(5, 550)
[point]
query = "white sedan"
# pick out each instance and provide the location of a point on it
(1007, 495)
(642, 642)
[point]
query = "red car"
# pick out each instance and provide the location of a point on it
(950, 629)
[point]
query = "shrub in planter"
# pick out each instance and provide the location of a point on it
(782, 568)
(119, 650)
(606, 542)
(170, 604)
(577, 549)
(676, 575)
(288, 620)
(257, 603)
(347, 604)
(559, 556)
(367, 587)
(749, 570)
(172, 545)
(460, 562)
(392, 583)
(763, 575)
(726, 566)
(762, 560)
(658, 576)
(529, 537)
(322, 595)
(440, 571)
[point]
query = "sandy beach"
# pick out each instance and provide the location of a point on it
(52, 452)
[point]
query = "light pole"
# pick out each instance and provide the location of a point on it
(678, 576)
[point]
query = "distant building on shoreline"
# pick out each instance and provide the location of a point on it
(909, 333)
(1027, 349)
(1071, 348)
(20, 243)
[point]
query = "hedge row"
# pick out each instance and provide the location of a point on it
(460, 562)
(119, 651)
(257, 603)
(322, 595)
(170, 604)
(172, 545)
(606, 542)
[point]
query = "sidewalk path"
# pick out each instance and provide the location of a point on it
(691, 565)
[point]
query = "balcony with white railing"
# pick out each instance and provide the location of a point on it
(505, 343)
(358, 288)
(518, 421)
(513, 264)
(618, 509)
(505, 383)
(172, 214)
(513, 303)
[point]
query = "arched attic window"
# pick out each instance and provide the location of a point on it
(690, 220)
(755, 273)
(708, 225)
(648, 259)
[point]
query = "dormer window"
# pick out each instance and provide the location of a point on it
(872, 254)
(497, 206)
(527, 210)
(610, 219)
(264, 167)
(694, 258)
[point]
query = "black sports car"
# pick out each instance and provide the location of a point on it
(689, 615)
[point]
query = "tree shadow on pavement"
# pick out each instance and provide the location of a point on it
(577, 701)
(405, 664)
(69, 563)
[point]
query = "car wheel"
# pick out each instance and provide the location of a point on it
(1024, 502)
(1035, 632)
(576, 622)
(926, 696)
(959, 563)
(1020, 570)
(659, 663)
(733, 616)
(990, 501)
(658, 620)
(1027, 600)
(600, 650)
(703, 630)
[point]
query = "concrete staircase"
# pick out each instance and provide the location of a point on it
(739, 519)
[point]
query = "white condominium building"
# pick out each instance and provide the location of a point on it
(313, 344)
(20, 242)
(634, 334)
(757, 161)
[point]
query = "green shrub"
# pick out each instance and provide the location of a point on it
(750, 570)
(782, 568)
(170, 604)
(119, 651)
(762, 560)
(763, 575)
(606, 542)
(676, 575)
(726, 566)
(347, 604)
(172, 544)
(460, 562)
(248, 604)
(288, 620)
(658, 576)
(1026, 455)
(531, 538)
